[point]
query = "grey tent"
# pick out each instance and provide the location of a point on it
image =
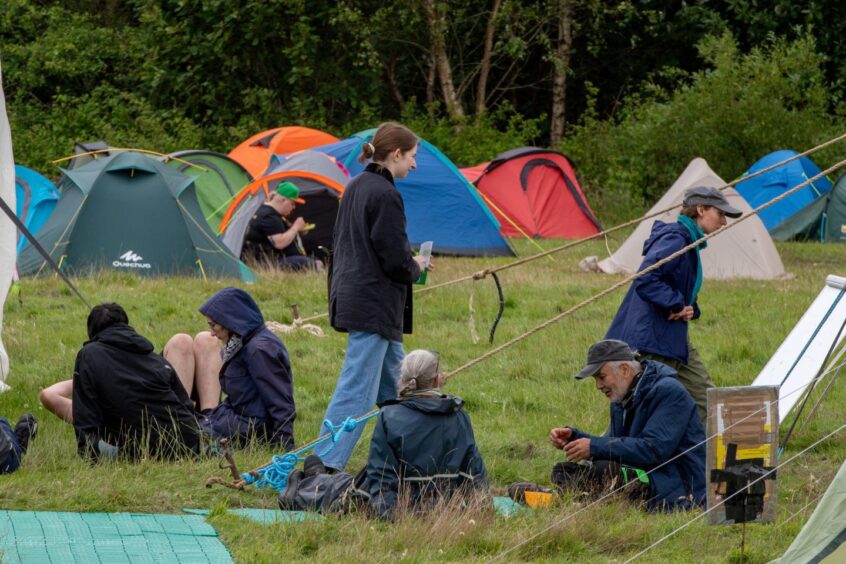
(744, 251)
(131, 213)
(321, 182)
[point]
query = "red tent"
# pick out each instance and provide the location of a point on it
(537, 190)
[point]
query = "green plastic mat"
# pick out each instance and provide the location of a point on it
(41, 536)
(265, 516)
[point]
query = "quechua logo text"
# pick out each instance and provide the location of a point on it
(130, 259)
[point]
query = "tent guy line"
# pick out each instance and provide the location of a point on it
(723, 501)
(483, 273)
(637, 275)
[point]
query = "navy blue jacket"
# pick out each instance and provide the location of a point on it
(427, 444)
(372, 266)
(257, 380)
(660, 424)
(642, 320)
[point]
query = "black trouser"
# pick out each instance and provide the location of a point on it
(600, 477)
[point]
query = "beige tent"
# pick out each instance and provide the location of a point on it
(743, 251)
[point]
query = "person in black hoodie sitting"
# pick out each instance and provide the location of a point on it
(423, 444)
(127, 396)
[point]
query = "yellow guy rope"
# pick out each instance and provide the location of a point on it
(98, 151)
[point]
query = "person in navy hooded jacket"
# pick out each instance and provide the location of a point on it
(253, 369)
(654, 315)
(654, 444)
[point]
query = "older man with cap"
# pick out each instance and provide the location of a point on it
(654, 315)
(655, 443)
(272, 238)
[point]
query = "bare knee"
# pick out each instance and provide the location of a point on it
(205, 343)
(180, 344)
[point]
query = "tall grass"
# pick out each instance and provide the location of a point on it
(513, 399)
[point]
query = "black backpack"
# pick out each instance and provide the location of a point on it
(313, 489)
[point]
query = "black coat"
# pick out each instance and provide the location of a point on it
(130, 397)
(425, 444)
(372, 264)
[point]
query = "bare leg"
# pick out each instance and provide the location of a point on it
(57, 400)
(179, 352)
(207, 369)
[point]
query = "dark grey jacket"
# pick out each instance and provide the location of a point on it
(425, 445)
(372, 266)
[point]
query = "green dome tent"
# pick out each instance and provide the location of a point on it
(217, 179)
(823, 220)
(130, 212)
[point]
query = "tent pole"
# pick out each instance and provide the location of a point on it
(822, 397)
(813, 385)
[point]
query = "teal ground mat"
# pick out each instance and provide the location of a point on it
(503, 505)
(42, 536)
(265, 516)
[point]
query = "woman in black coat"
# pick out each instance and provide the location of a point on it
(370, 282)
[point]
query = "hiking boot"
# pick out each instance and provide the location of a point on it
(25, 430)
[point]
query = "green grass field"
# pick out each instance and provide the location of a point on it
(514, 398)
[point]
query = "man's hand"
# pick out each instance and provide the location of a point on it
(298, 225)
(577, 450)
(560, 436)
(686, 314)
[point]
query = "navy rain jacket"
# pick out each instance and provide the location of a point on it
(660, 424)
(642, 320)
(427, 444)
(258, 379)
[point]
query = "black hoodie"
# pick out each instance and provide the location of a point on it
(130, 397)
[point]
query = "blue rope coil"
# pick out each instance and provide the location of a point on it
(276, 473)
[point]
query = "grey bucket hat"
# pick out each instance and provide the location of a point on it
(708, 196)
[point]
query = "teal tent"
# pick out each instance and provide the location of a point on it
(823, 220)
(131, 213)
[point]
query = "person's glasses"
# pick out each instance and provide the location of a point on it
(212, 324)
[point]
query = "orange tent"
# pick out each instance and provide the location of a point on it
(254, 153)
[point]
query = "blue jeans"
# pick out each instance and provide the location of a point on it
(13, 459)
(369, 376)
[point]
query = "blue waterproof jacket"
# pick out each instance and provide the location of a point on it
(642, 320)
(424, 444)
(257, 379)
(660, 423)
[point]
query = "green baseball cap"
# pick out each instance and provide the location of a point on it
(289, 190)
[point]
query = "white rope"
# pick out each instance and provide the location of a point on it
(296, 325)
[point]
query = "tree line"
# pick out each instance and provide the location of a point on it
(627, 88)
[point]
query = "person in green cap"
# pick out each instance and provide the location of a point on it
(272, 239)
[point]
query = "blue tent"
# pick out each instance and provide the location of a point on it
(35, 197)
(763, 188)
(440, 205)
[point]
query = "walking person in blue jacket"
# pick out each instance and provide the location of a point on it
(653, 318)
(654, 428)
(370, 279)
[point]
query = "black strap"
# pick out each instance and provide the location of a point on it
(40, 249)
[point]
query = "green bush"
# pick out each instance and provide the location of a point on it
(743, 107)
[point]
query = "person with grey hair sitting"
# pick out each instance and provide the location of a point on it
(423, 444)
(655, 443)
